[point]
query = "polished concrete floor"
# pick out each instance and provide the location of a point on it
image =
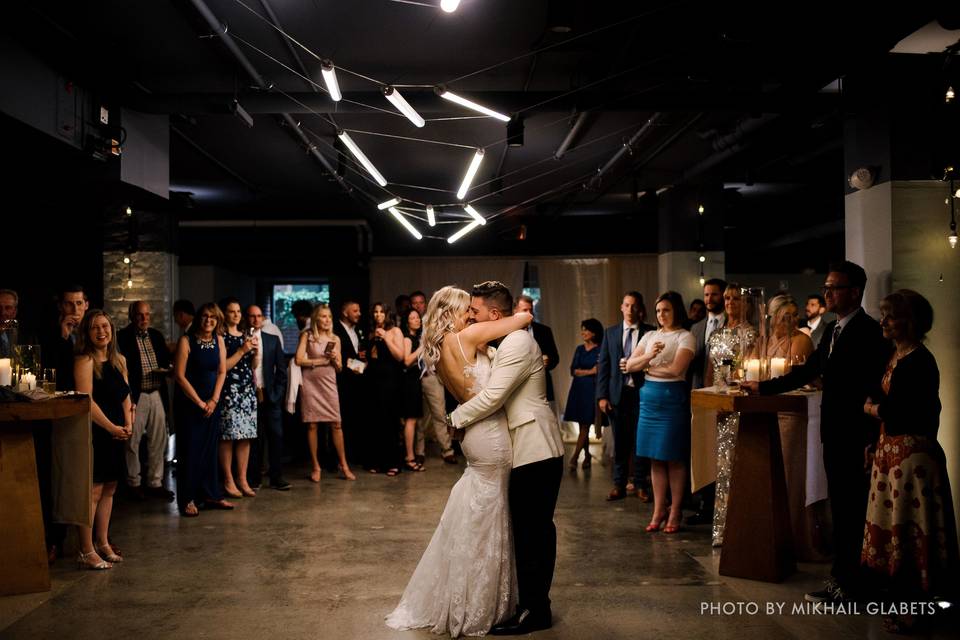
(330, 560)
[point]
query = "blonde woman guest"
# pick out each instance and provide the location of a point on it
(787, 341)
(200, 372)
(320, 360)
(411, 391)
(101, 372)
(663, 429)
(238, 410)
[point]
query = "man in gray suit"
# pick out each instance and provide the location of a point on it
(716, 319)
(817, 318)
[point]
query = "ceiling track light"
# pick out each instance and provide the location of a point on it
(469, 104)
(402, 219)
(329, 73)
(358, 154)
(403, 106)
(479, 219)
(449, 5)
(431, 218)
(463, 231)
(392, 202)
(470, 174)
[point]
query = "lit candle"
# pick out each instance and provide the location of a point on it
(29, 380)
(6, 372)
(753, 370)
(777, 367)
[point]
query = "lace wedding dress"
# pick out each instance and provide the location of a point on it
(466, 579)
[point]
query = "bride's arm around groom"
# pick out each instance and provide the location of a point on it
(518, 384)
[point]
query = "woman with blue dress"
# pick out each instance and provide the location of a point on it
(238, 412)
(663, 429)
(581, 401)
(201, 368)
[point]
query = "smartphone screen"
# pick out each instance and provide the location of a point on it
(328, 350)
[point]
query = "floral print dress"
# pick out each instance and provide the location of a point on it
(238, 412)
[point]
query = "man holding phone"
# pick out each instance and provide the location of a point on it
(270, 378)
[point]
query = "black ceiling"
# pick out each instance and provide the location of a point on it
(734, 91)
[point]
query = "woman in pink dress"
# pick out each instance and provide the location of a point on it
(318, 356)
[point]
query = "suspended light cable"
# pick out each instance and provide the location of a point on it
(470, 174)
(358, 154)
(406, 223)
(403, 106)
(469, 104)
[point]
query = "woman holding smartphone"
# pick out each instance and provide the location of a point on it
(318, 356)
(238, 413)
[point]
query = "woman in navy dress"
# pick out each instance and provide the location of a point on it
(201, 368)
(581, 402)
(101, 371)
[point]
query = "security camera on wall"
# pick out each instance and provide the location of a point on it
(862, 178)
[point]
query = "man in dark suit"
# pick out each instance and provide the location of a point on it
(714, 320)
(619, 397)
(270, 377)
(851, 359)
(817, 318)
(350, 380)
(544, 339)
(148, 363)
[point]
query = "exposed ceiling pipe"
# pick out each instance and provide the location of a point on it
(728, 145)
(244, 62)
(571, 135)
(275, 21)
(206, 154)
(625, 149)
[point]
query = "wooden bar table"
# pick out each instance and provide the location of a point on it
(757, 540)
(23, 552)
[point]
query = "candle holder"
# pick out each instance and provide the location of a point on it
(754, 329)
(725, 355)
(26, 366)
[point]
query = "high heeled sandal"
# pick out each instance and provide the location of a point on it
(314, 476)
(83, 563)
(345, 474)
(655, 526)
(673, 528)
(107, 553)
(587, 462)
(413, 465)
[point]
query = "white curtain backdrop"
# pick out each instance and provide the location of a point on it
(574, 289)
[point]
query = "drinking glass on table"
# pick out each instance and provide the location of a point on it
(50, 380)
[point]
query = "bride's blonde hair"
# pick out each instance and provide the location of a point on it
(445, 306)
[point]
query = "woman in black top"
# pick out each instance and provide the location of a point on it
(910, 541)
(411, 393)
(384, 375)
(101, 371)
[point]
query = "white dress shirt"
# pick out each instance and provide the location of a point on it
(258, 371)
(352, 334)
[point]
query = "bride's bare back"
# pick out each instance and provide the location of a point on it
(459, 351)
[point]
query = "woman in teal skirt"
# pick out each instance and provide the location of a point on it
(663, 429)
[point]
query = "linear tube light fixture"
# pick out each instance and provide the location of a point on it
(464, 230)
(392, 202)
(479, 219)
(431, 218)
(470, 174)
(571, 136)
(329, 73)
(469, 104)
(406, 223)
(403, 106)
(355, 150)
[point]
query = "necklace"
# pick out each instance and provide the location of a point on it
(903, 354)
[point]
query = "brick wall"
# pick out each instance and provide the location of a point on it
(154, 275)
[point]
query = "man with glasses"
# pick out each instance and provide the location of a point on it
(851, 359)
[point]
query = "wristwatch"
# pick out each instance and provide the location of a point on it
(448, 419)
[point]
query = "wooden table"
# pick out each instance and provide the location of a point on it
(23, 551)
(757, 541)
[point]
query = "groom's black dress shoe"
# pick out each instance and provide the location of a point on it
(525, 621)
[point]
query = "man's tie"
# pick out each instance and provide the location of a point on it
(711, 327)
(833, 340)
(628, 342)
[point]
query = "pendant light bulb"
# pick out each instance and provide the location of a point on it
(952, 239)
(449, 5)
(359, 155)
(949, 95)
(470, 174)
(329, 73)
(403, 106)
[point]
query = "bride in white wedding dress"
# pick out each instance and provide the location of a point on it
(466, 580)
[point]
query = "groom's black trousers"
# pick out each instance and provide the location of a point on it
(533, 497)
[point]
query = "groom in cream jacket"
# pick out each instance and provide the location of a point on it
(518, 384)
